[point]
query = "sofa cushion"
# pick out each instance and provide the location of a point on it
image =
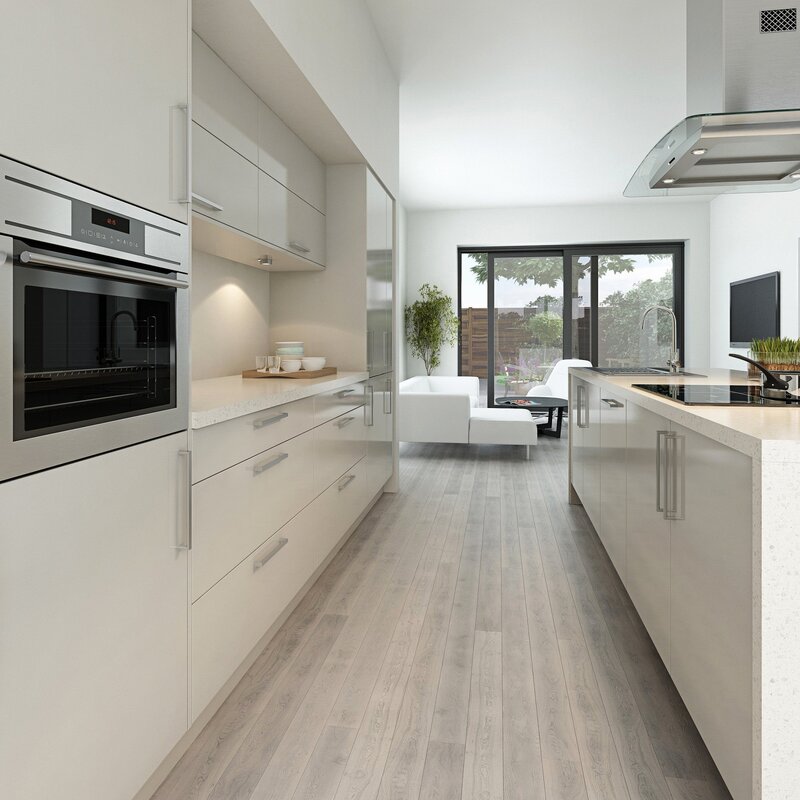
(502, 426)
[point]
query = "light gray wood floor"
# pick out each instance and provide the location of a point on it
(471, 640)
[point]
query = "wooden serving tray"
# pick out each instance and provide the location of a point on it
(315, 373)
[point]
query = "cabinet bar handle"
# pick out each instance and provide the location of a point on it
(369, 408)
(301, 248)
(370, 335)
(273, 462)
(204, 201)
(581, 406)
(343, 423)
(185, 501)
(385, 338)
(613, 403)
(345, 392)
(264, 421)
(346, 481)
(259, 562)
(387, 397)
(184, 181)
(676, 487)
(659, 505)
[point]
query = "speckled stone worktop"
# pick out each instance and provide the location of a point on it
(764, 433)
(219, 399)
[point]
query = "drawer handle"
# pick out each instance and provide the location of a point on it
(206, 203)
(273, 462)
(613, 403)
(343, 423)
(301, 248)
(345, 392)
(264, 421)
(346, 481)
(259, 562)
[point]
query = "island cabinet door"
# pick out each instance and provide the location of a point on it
(613, 479)
(648, 530)
(709, 497)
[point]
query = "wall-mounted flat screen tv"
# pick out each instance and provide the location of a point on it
(755, 309)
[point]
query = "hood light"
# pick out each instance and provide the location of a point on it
(700, 151)
(668, 180)
(795, 176)
(265, 261)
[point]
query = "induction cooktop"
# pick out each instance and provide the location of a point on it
(713, 395)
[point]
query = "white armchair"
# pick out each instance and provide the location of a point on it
(557, 383)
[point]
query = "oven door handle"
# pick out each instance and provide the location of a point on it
(26, 257)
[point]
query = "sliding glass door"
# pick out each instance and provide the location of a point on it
(522, 310)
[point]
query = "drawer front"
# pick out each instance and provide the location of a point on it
(228, 621)
(289, 222)
(338, 401)
(235, 510)
(220, 446)
(338, 445)
(221, 177)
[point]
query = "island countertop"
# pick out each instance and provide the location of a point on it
(219, 399)
(767, 433)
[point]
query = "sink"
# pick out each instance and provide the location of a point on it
(644, 371)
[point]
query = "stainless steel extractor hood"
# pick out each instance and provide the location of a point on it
(743, 92)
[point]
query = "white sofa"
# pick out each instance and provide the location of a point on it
(445, 409)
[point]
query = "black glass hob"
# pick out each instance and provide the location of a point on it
(713, 395)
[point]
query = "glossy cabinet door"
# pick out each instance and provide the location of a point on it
(287, 221)
(222, 103)
(95, 96)
(378, 414)
(224, 184)
(711, 632)
(647, 573)
(613, 478)
(93, 623)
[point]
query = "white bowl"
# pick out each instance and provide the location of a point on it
(290, 364)
(289, 344)
(312, 363)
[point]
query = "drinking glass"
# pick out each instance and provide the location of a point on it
(261, 363)
(274, 363)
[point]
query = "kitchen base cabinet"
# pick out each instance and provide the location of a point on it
(711, 630)
(613, 479)
(380, 431)
(93, 624)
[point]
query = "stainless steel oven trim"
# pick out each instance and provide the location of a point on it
(25, 456)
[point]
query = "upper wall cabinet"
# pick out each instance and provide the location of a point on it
(222, 103)
(285, 157)
(96, 92)
(251, 174)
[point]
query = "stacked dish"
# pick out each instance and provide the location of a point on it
(292, 349)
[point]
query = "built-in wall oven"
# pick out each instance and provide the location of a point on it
(93, 322)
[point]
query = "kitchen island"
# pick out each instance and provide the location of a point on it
(698, 509)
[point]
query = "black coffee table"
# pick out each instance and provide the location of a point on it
(536, 404)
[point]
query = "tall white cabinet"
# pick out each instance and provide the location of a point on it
(98, 93)
(93, 623)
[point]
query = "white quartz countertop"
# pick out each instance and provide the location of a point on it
(768, 433)
(219, 399)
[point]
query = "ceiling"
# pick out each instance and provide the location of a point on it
(530, 102)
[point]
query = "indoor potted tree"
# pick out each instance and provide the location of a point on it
(430, 324)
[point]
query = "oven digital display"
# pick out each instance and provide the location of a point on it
(112, 221)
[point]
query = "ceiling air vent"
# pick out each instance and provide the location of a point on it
(776, 20)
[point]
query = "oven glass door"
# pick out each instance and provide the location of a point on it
(89, 349)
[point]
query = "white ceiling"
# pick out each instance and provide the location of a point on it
(530, 102)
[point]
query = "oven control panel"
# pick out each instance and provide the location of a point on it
(104, 228)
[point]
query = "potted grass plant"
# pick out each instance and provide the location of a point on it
(777, 354)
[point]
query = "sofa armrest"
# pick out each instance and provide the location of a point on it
(433, 417)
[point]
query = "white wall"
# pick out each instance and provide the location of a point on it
(336, 46)
(434, 236)
(401, 244)
(752, 234)
(230, 315)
